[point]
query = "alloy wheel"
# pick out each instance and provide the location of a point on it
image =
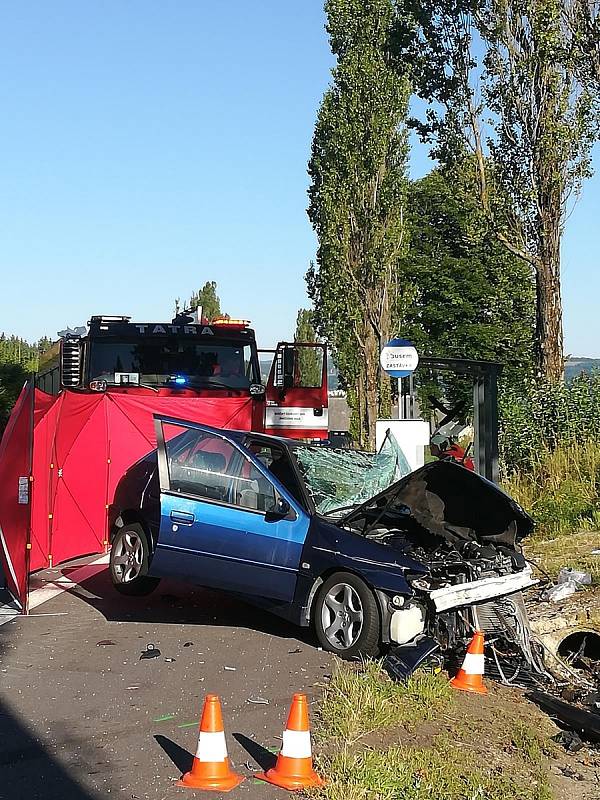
(342, 616)
(128, 557)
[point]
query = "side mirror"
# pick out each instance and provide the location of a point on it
(70, 363)
(279, 511)
(257, 389)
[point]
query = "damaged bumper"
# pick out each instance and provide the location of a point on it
(466, 594)
(408, 623)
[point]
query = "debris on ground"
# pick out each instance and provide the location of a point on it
(151, 651)
(585, 723)
(559, 592)
(578, 576)
(104, 643)
(592, 699)
(568, 582)
(262, 701)
(229, 669)
(188, 644)
(571, 773)
(570, 740)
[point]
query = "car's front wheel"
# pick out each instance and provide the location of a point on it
(129, 558)
(346, 617)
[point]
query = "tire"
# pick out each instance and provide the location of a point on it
(346, 617)
(129, 558)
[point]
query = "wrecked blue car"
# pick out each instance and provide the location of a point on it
(354, 544)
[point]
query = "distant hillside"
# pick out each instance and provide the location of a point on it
(575, 366)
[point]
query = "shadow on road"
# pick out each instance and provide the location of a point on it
(176, 602)
(178, 755)
(30, 772)
(263, 757)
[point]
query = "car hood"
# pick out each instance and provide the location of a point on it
(451, 502)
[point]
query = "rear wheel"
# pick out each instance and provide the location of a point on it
(129, 558)
(346, 617)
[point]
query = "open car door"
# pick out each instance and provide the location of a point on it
(296, 397)
(223, 521)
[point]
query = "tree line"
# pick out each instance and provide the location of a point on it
(465, 261)
(18, 359)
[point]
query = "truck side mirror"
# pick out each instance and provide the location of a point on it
(289, 367)
(70, 363)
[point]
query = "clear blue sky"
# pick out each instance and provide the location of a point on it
(150, 146)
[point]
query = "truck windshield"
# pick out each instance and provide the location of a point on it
(173, 362)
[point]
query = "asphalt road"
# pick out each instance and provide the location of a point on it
(83, 717)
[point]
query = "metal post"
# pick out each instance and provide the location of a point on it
(411, 395)
(485, 422)
(491, 417)
(485, 407)
(478, 425)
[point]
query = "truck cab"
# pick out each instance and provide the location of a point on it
(191, 357)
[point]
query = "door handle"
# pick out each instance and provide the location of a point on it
(182, 517)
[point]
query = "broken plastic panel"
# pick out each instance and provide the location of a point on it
(341, 479)
(566, 575)
(559, 592)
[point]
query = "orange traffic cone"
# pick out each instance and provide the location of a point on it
(294, 769)
(210, 769)
(469, 677)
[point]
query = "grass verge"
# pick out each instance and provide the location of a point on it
(561, 490)
(462, 759)
(360, 700)
(573, 551)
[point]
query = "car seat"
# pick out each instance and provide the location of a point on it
(248, 497)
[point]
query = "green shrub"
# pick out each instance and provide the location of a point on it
(539, 417)
(560, 488)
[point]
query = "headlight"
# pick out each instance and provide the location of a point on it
(421, 583)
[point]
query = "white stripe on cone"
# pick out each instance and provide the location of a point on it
(296, 744)
(211, 746)
(473, 664)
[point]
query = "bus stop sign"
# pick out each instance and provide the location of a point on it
(399, 358)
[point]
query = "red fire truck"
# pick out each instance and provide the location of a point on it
(89, 418)
(191, 357)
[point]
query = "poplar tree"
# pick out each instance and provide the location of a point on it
(512, 84)
(357, 170)
(207, 299)
(310, 363)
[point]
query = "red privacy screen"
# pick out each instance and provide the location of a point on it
(75, 448)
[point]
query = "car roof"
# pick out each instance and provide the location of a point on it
(264, 436)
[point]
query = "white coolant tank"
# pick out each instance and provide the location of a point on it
(406, 624)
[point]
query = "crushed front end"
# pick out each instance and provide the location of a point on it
(466, 532)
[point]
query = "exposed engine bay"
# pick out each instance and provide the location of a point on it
(466, 532)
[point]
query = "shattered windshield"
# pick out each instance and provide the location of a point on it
(338, 480)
